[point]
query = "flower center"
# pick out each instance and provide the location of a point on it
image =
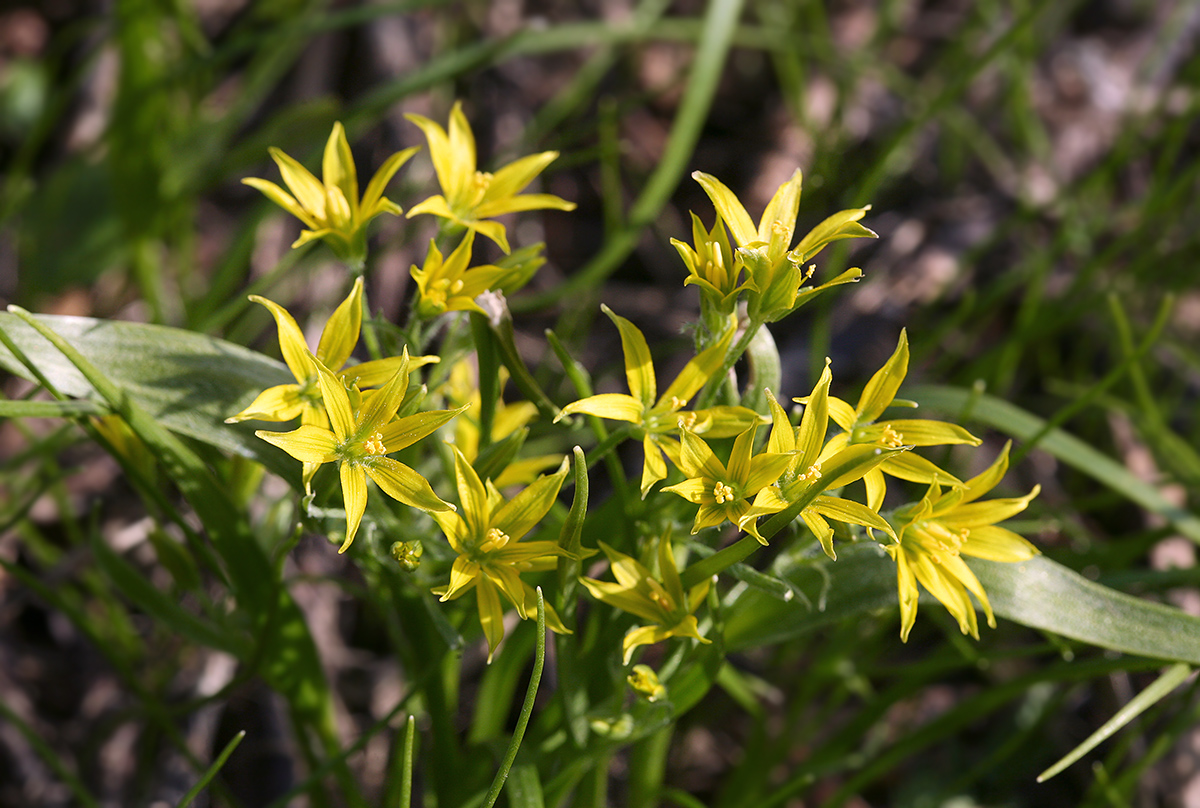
(812, 474)
(722, 493)
(659, 595)
(944, 541)
(494, 540)
(479, 187)
(374, 444)
(891, 438)
(686, 420)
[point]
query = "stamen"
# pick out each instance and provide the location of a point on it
(722, 493)
(494, 540)
(659, 595)
(374, 444)
(686, 420)
(891, 438)
(813, 473)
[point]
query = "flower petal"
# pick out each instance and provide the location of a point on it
(283, 199)
(308, 444)
(372, 201)
(463, 575)
(291, 339)
(491, 615)
(616, 406)
(340, 334)
(882, 387)
(728, 207)
(403, 484)
(639, 370)
(513, 178)
(279, 403)
(337, 165)
(354, 495)
(337, 402)
(518, 516)
(309, 192)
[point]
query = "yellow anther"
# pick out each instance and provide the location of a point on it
(891, 438)
(456, 287)
(722, 493)
(677, 403)
(780, 229)
(659, 595)
(494, 540)
(479, 186)
(686, 420)
(812, 473)
(374, 445)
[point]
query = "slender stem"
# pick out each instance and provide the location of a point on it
(539, 661)
(410, 748)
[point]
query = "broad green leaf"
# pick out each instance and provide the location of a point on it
(1019, 423)
(186, 381)
(50, 409)
(1039, 593)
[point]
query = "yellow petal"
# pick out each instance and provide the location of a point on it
(291, 339)
(337, 402)
(463, 576)
(696, 490)
(518, 516)
(279, 403)
(337, 166)
(697, 372)
(643, 635)
(814, 424)
(491, 615)
(340, 334)
(354, 495)
(729, 208)
(882, 387)
(304, 186)
(654, 468)
(439, 151)
(639, 370)
(373, 201)
(515, 204)
(308, 444)
(997, 544)
(380, 408)
(616, 406)
(921, 432)
(459, 185)
(698, 460)
(843, 224)
(513, 178)
(779, 219)
(403, 484)
(283, 199)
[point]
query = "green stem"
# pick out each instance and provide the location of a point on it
(717, 380)
(539, 660)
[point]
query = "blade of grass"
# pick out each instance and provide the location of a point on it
(1171, 678)
(212, 770)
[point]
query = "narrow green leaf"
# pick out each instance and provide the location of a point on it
(1171, 678)
(50, 409)
(211, 771)
(524, 787)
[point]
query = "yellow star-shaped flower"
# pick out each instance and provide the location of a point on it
(936, 532)
(659, 600)
(330, 208)
(361, 437)
(487, 535)
(658, 417)
(469, 196)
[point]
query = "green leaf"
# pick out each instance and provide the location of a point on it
(1171, 678)
(1012, 420)
(211, 772)
(186, 381)
(1038, 593)
(50, 409)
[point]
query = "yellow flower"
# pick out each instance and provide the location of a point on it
(469, 196)
(360, 440)
(283, 402)
(660, 601)
(447, 285)
(659, 418)
(711, 264)
(487, 535)
(863, 426)
(812, 470)
(721, 491)
(775, 273)
(332, 210)
(936, 532)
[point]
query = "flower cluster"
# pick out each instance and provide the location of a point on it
(826, 472)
